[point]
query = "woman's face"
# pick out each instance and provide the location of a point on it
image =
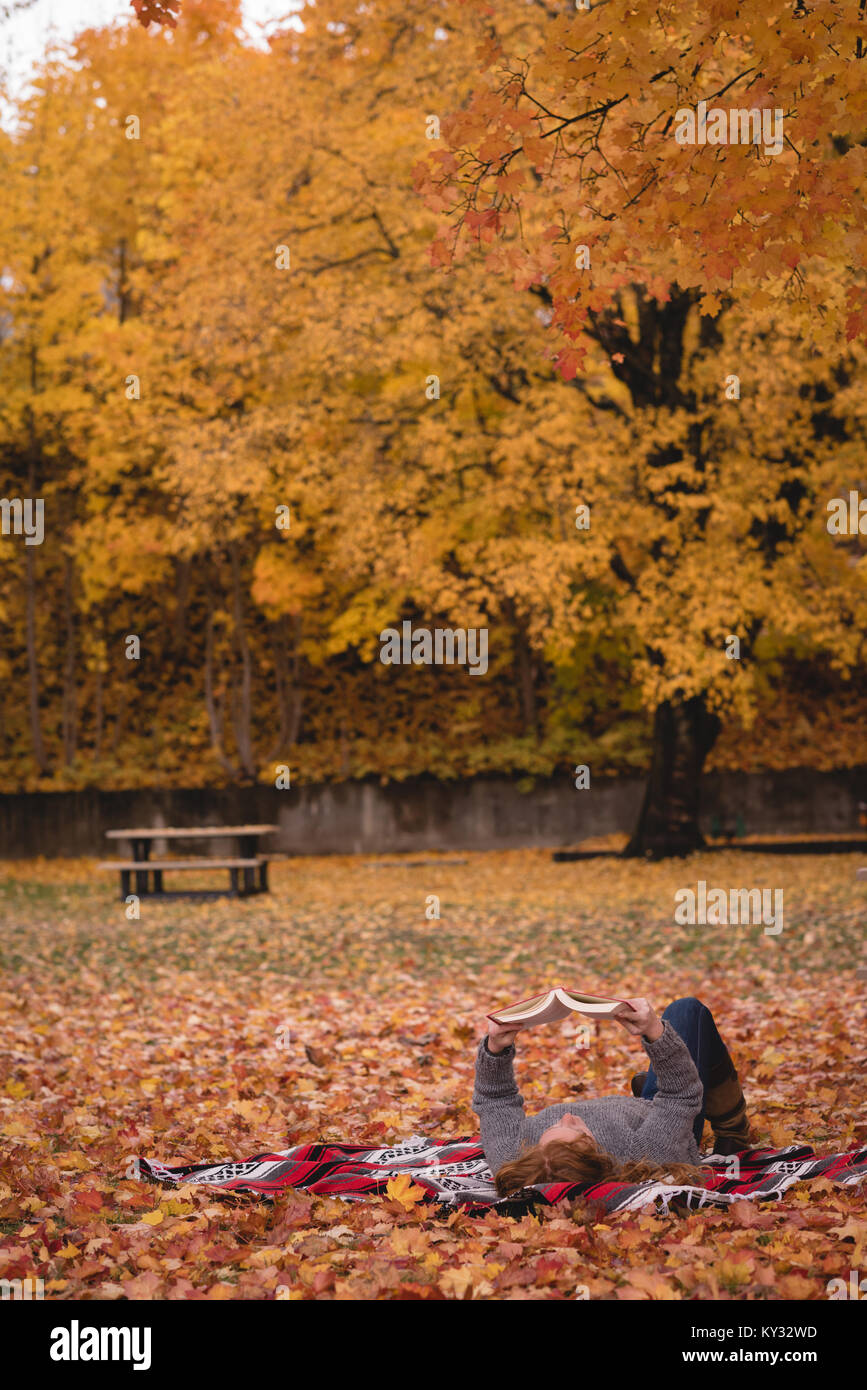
(567, 1129)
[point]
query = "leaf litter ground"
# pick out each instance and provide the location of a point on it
(333, 1009)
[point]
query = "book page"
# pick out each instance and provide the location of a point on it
(589, 998)
(516, 1011)
(551, 1013)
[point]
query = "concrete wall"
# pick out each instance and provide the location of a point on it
(422, 814)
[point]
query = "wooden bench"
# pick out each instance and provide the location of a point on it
(248, 872)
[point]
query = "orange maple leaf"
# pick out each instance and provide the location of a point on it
(403, 1190)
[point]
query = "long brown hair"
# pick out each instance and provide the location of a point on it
(579, 1161)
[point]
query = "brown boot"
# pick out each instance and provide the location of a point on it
(726, 1110)
(731, 1143)
(637, 1083)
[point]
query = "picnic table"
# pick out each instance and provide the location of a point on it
(248, 862)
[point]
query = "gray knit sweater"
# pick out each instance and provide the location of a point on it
(659, 1130)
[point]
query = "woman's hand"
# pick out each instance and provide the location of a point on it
(500, 1035)
(642, 1021)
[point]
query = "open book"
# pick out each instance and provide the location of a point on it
(557, 1004)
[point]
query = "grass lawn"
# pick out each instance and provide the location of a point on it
(219, 1029)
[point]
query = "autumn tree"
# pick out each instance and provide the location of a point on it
(565, 171)
(568, 169)
(267, 339)
(224, 386)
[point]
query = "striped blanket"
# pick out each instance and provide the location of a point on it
(454, 1172)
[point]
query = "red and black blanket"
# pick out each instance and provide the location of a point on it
(454, 1171)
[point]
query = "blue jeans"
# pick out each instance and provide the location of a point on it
(693, 1021)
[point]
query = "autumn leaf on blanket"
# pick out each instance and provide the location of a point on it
(403, 1190)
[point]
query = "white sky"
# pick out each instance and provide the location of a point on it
(24, 37)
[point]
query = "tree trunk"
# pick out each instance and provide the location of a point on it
(33, 664)
(122, 283)
(527, 671)
(683, 735)
(183, 572)
(243, 693)
(212, 704)
(98, 716)
(33, 694)
(70, 703)
(290, 696)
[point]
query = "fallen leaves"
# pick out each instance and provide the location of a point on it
(457, 1283)
(163, 1044)
(653, 1285)
(403, 1190)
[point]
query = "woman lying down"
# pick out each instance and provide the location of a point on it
(655, 1133)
